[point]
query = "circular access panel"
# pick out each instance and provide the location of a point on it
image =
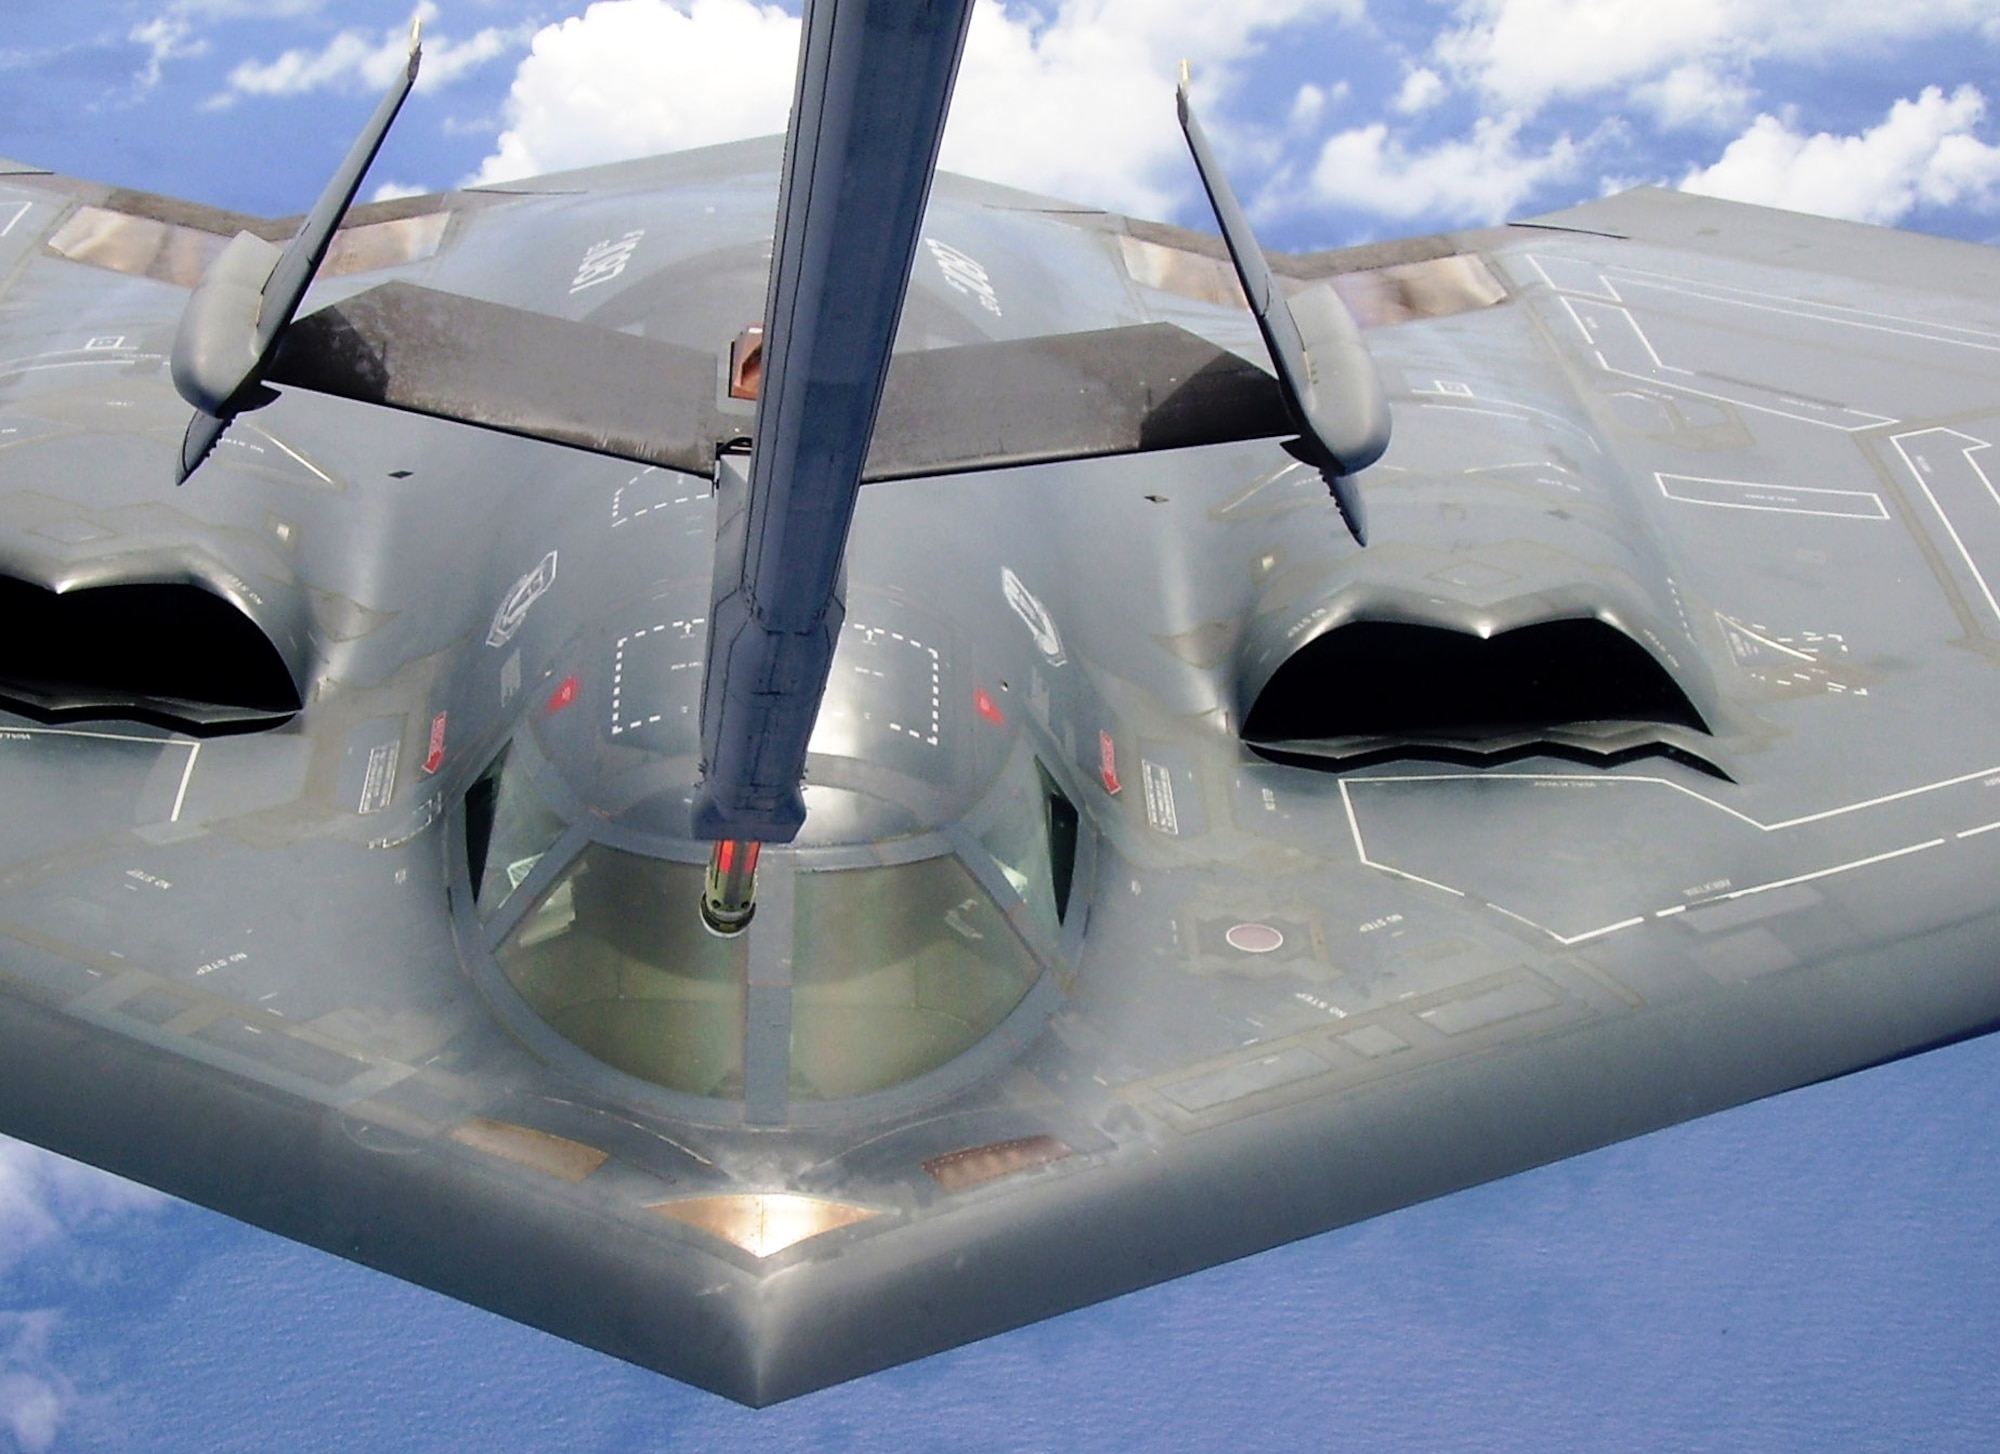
(1254, 938)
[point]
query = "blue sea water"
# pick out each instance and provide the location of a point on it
(1817, 1272)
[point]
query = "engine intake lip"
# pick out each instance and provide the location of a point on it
(1371, 691)
(171, 654)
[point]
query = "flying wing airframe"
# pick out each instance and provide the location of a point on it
(1105, 865)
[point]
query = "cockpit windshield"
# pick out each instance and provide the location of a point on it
(897, 970)
(615, 960)
(850, 979)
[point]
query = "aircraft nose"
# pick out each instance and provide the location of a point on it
(919, 912)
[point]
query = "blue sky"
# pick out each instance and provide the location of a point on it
(1822, 1270)
(1344, 120)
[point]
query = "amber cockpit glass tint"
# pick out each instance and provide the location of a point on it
(614, 958)
(897, 971)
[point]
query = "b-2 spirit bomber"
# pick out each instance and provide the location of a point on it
(775, 798)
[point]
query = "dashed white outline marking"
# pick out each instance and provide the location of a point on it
(193, 745)
(1785, 883)
(1469, 409)
(937, 682)
(1566, 940)
(1361, 853)
(686, 629)
(1609, 295)
(21, 210)
(1444, 391)
(1619, 777)
(13, 731)
(1731, 623)
(111, 360)
(618, 515)
(1917, 328)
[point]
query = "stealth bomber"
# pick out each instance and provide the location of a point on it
(772, 761)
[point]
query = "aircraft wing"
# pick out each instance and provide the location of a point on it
(1178, 879)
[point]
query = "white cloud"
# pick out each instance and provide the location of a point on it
(1080, 104)
(394, 191)
(1527, 52)
(1074, 100)
(1310, 104)
(1695, 95)
(1481, 178)
(31, 1409)
(36, 1399)
(633, 77)
(370, 60)
(170, 35)
(43, 1199)
(245, 9)
(42, 1194)
(1422, 89)
(166, 38)
(1923, 153)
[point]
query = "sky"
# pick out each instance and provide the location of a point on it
(1818, 1271)
(1342, 120)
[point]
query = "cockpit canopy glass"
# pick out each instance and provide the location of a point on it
(897, 970)
(614, 958)
(508, 829)
(884, 971)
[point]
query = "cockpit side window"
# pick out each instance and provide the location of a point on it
(1060, 816)
(507, 830)
(1033, 841)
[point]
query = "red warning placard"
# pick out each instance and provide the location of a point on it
(434, 758)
